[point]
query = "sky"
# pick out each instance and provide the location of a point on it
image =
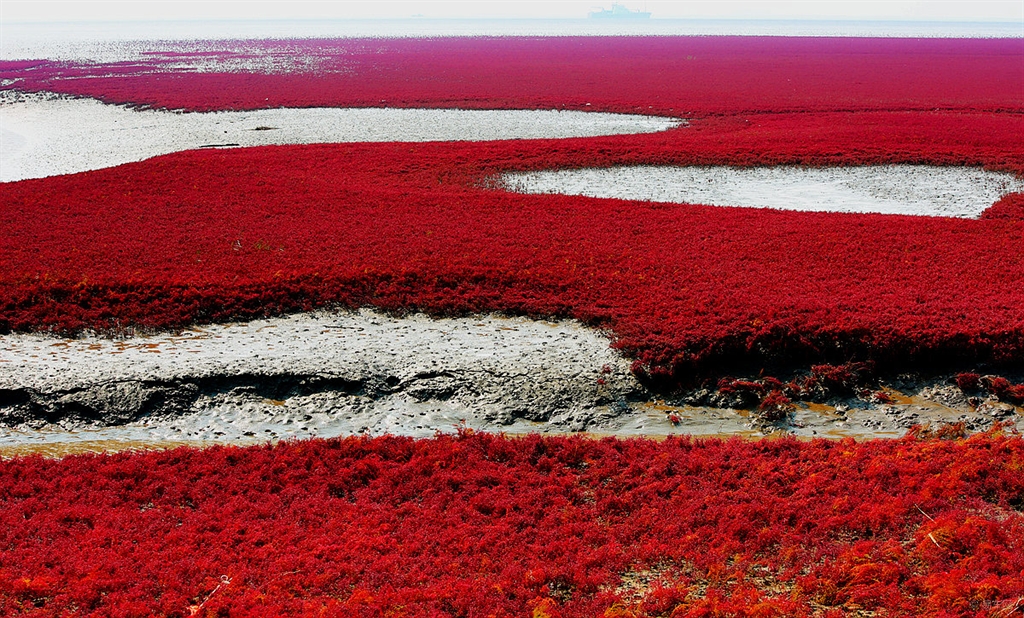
(20, 11)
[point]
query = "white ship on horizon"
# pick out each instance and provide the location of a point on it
(618, 11)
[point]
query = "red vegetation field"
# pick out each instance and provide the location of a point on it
(478, 525)
(215, 235)
(677, 76)
(686, 290)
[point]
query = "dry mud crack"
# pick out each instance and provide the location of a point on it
(344, 373)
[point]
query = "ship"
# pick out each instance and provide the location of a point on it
(619, 11)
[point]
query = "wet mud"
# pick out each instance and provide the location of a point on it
(365, 373)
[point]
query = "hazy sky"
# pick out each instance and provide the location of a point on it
(12, 11)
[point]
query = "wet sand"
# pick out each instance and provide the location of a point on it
(47, 135)
(921, 190)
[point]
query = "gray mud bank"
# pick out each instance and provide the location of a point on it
(335, 374)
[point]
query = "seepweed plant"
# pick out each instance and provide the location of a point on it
(478, 524)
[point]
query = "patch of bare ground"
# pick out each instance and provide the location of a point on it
(345, 373)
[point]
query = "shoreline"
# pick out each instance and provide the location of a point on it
(92, 39)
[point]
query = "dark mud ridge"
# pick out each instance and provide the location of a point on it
(330, 374)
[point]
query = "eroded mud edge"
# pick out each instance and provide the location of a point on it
(335, 374)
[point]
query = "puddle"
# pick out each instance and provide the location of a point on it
(60, 449)
(922, 190)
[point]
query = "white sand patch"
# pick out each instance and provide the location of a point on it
(352, 344)
(46, 136)
(312, 374)
(887, 189)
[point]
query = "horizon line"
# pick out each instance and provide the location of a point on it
(532, 19)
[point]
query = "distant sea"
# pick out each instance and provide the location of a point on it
(90, 40)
